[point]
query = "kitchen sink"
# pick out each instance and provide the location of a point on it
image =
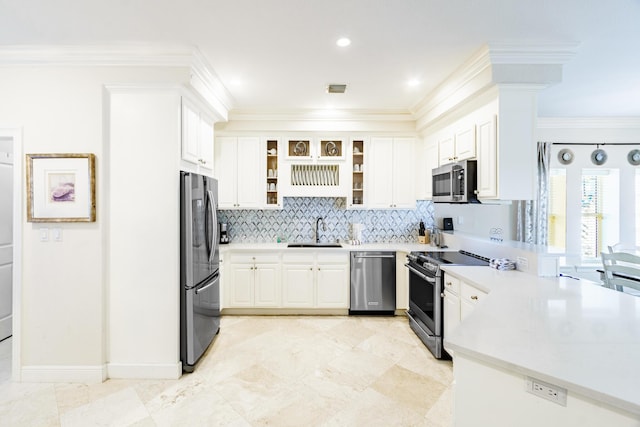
(314, 245)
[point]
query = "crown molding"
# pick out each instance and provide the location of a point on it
(203, 77)
(588, 123)
(501, 64)
(532, 53)
(319, 115)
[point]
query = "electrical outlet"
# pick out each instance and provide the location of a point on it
(547, 391)
(522, 263)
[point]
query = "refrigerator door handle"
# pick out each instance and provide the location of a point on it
(213, 282)
(213, 243)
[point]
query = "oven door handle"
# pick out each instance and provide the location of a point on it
(419, 274)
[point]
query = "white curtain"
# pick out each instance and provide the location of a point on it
(532, 215)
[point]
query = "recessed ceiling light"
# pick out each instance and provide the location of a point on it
(413, 82)
(343, 42)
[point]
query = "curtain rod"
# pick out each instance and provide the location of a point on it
(595, 143)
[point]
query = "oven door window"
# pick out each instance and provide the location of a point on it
(424, 301)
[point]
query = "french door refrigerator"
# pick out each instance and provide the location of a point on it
(199, 267)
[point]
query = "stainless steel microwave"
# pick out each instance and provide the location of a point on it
(455, 182)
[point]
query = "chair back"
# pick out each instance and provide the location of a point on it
(621, 269)
(622, 247)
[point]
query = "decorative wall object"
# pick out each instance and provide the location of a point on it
(295, 222)
(61, 188)
(599, 157)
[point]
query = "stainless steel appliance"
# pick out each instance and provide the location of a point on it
(373, 283)
(199, 267)
(426, 287)
(224, 235)
(455, 182)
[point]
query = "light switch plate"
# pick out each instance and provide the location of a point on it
(44, 234)
(57, 234)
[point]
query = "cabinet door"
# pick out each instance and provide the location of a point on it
(465, 143)
(332, 286)
(404, 195)
(249, 173)
(226, 171)
(240, 287)
(380, 176)
(206, 144)
(267, 285)
(487, 159)
(190, 130)
(297, 285)
(451, 312)
(446, 150)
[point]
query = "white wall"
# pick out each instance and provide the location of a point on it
(144, 233)
(60, 110)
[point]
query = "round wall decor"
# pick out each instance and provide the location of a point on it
(634, 157)
(599, 157)
(565, 156)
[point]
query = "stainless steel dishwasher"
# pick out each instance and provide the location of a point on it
(373, 283)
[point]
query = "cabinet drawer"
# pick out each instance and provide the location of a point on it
(254, 258)
(452, 284)
(299, 258)
(336, 258)
(471, 294)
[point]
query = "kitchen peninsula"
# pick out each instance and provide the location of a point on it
(575, 336)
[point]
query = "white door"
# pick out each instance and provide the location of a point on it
(6, 233)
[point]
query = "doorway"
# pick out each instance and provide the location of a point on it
(6, 236)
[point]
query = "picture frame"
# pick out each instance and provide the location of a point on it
(61, 188)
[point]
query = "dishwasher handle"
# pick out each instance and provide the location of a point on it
(375, 256)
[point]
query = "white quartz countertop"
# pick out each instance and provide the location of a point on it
(403, 247)
(568, 332)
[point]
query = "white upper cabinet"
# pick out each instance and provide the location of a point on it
(391, 173)
(460, 146)
(197, 138)
(487, 159)
(426, 163)
(238, 169)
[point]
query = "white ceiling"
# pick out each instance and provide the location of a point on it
(283, 52)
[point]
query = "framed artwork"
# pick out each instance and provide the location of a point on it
(61, 188)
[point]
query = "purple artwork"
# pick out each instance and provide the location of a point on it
(62, 187)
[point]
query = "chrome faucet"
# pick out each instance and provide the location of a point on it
(324, 227)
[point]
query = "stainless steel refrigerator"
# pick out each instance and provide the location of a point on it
(199, 267)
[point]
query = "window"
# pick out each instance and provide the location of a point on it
(599, 212)
(558, 208)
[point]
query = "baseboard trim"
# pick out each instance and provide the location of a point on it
(64, 374)
(146, 371)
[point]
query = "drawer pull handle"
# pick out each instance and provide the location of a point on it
(474, 297)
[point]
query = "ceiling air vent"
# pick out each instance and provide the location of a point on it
(334, 88)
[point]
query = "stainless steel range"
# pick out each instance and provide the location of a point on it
(426, 287)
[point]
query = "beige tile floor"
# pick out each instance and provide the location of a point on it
(262, 371)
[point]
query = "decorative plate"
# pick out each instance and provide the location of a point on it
(634, 157)
(300, 149)
(599, 157)
(331, 149)
(565, 156)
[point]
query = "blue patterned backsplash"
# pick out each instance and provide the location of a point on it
(295, 222)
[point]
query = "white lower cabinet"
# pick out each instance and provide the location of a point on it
(295, 279)
(460, 299)
(470, 296)
(332, 281)
(297, 282)
(451, 303)
(315, 280)
(254, 281)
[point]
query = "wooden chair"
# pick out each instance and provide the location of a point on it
(621, 270)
